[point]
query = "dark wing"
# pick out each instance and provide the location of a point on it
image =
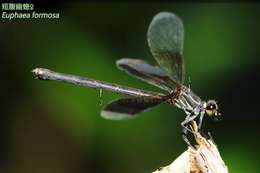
(128, 107)
(165, 38)
(146, 72)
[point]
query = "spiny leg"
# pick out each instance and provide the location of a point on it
(211, 138)
(187, 120)
(184, 137)
(185, 129)
(201, 119)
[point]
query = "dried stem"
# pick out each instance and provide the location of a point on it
(203, 158)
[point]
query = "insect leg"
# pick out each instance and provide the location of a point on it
(211, 138)
(184, 137)
(186, 121)
(186, 129)
(201, 118)
(184, 133)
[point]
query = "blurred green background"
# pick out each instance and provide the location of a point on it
(54, 127)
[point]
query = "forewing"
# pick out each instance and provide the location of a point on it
(128, 107)
(165, 38)
(146, 72)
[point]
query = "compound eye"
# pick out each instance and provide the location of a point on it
(212, 106)
(211, 109)
(218, 114)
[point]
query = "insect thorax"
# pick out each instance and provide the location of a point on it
(185, 99)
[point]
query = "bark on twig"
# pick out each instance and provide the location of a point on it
(203, 158)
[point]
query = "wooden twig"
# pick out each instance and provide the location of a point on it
(203, 158)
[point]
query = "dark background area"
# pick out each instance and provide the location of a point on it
(50, 127)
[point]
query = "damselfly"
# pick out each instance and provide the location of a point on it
(165, 38)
